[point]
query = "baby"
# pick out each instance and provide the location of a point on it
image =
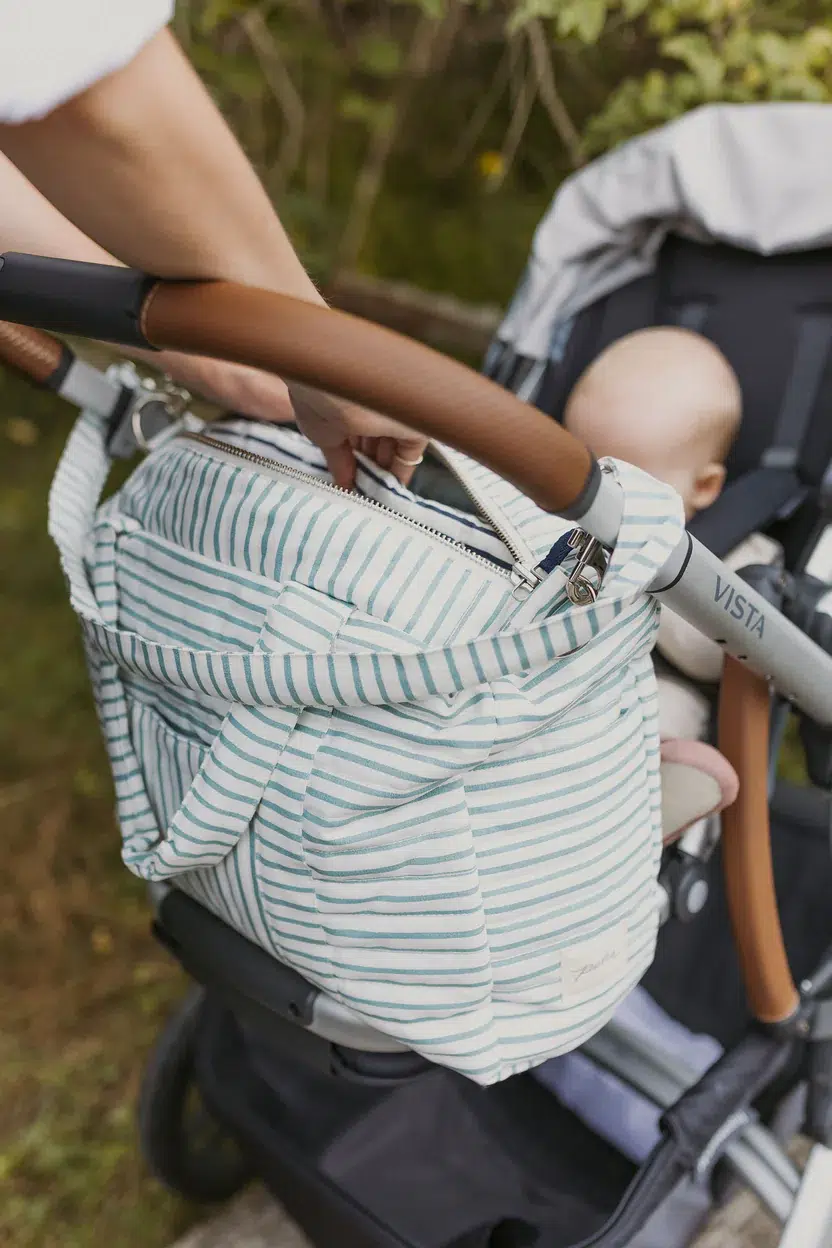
(668, 401)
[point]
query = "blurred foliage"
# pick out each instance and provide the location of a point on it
(422, 139)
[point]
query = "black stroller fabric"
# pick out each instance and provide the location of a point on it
(439, 1162)
(476, 1164)
(434, 1163)
(714, 1002)
(771, 316)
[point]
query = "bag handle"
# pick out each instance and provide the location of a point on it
(260, 678)
(221, 800)
(224, 795)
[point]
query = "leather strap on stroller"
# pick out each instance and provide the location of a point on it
(744, 713)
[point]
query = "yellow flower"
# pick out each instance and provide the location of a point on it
(102, 940)
(491, 165)
(21, 431)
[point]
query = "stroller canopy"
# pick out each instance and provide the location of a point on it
(755, 176)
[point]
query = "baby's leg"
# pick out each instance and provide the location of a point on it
(696, 779)
(684, 712)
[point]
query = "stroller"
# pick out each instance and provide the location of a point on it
(368, 1144)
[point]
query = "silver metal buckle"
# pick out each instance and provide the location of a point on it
(164, 405)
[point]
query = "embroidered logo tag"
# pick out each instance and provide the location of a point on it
(594, 965)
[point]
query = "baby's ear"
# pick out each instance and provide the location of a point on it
(708, 486)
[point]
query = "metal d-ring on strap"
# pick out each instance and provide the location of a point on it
(167, 401)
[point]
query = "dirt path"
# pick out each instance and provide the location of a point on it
(255, 1221)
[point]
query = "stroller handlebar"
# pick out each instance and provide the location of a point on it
(425, 390)
(302, 342)
(38, 356)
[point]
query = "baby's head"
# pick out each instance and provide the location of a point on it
(665, 400)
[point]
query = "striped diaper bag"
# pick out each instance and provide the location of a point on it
(376, 735)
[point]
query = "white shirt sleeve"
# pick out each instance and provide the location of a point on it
(51, 50)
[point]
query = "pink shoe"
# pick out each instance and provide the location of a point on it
(696, 781)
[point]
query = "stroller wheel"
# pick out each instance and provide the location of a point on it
(185, 1148)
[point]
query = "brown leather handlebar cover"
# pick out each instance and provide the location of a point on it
(30, 351)
(379, 369)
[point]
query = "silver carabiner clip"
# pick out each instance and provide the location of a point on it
(157, 410)
(584, 581)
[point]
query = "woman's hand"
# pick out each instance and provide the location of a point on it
(340, 429)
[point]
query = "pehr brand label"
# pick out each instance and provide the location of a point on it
(595, 964)
(738, 606)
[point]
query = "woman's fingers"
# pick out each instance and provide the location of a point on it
(341, 429)
(400, 456)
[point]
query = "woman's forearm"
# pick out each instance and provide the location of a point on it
(143, 163)
(29, 223)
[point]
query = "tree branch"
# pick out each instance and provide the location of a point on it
(279, 82)
(549, 95)
(427, 37)
(524, 96)
(480, 117)
(440, 320)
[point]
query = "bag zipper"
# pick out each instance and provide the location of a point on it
(527, 573)
(521, 576)
(524, 574)
(584, 581)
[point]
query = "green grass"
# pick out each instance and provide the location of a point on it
(83, 987)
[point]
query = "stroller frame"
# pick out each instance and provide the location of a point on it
(705, 1121)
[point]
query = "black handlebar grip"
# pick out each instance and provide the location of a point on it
(72, 297)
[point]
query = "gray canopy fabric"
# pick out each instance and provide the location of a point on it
(758, 176)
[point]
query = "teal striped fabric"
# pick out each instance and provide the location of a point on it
(347, 737)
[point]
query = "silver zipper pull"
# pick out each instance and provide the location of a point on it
(525, 580)
(584, 581)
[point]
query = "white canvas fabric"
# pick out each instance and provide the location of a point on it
(345, 735)
(756, 176)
